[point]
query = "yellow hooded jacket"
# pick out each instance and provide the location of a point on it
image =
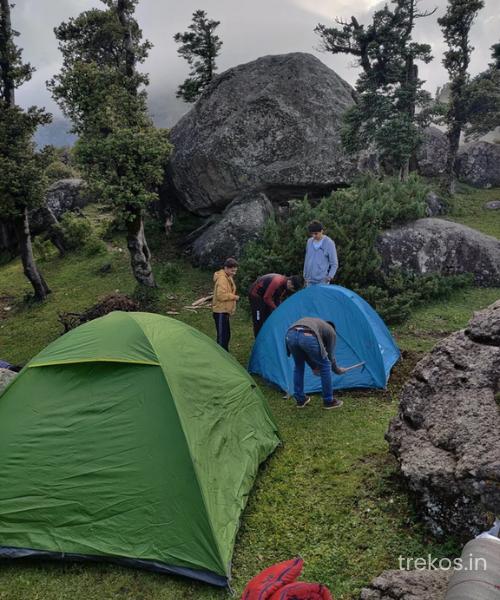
(224, 300)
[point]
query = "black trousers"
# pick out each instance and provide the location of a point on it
(260, 312)
(223, 329)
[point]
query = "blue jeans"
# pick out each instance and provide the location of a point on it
(305, 349)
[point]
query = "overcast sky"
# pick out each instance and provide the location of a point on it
(248, 30)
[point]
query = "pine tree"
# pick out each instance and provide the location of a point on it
(456, 25)
(200, 47)
(483, 99)
(100, 90)
(22, 181)
(391, 107)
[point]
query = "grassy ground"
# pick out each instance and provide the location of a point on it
(330, 493)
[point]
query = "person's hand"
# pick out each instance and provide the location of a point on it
(341, 370)
(236, 297)
(316, 372)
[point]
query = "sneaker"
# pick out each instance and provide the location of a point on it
(333, 404)
(304, 402)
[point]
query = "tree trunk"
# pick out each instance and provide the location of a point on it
(453, 144)
(404, 171)
(22, 228)
(5, 66)
(140, 256)
(55, 234)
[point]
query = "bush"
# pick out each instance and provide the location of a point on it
(43, 249)
(170, 273)
(58, 170)
(354, 218)
(80, 235)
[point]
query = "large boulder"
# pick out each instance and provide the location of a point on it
(432, 153)
(443, 247)
(446, 435)
(478, 164)
(425, 584)
(271, 125)
(241, 222)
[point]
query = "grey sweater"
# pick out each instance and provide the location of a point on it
(326, 336)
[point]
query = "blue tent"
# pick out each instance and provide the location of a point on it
(361, 336)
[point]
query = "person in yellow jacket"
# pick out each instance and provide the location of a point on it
(224, 301)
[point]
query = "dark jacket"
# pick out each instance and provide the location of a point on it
(272, 288)
(325, 335)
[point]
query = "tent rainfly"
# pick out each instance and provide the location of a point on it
(133, 438)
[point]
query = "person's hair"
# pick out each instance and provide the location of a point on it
(230, 263)
(332, 324)
(315, 226)
(297, 282)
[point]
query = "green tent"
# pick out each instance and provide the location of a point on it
(133, 438)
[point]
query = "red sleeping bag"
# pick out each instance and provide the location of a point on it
(279, 583)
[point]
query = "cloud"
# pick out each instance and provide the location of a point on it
(248, 30)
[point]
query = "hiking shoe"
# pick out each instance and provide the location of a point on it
(304, 403)
(333, 404)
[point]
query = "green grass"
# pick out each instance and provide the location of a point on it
(330, 493)
(467, 207)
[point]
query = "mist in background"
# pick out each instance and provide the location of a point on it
(248, 31)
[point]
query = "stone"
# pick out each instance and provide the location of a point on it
(241, 222)
(478, 164)
(446, 434)
(62, 196)
(273, 126)
(493, 205)
(438, 246)
(435, 205)
(6, 376)
(432, 153)
(425, 584)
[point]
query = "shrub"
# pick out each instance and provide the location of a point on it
(58, 170)
(80, 235)
(353, 217)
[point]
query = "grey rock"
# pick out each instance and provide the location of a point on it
(408, 585)
(271, 125)
(432, 153)
(6, 376)
(478, 164)
(446, 435)
(62, 196)
(435, 205)
(493, 205)
(241, 222)
(438, 246)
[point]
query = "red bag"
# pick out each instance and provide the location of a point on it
(302, 591)
(263, 585)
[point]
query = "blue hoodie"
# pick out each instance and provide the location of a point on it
(320, 264)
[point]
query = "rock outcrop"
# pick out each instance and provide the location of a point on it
(446, 435)
(478, 164)
(408, 585)
(272, 126)
(444, 247)
(241, 222)
(432, 153)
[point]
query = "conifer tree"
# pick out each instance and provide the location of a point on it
(456, 25)
(200, 46)
(101, 91)
(22, 181)
(391, 107)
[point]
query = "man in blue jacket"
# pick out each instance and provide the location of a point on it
(321, 263)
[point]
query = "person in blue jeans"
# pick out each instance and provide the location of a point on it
(320, 262)
(312, 341)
